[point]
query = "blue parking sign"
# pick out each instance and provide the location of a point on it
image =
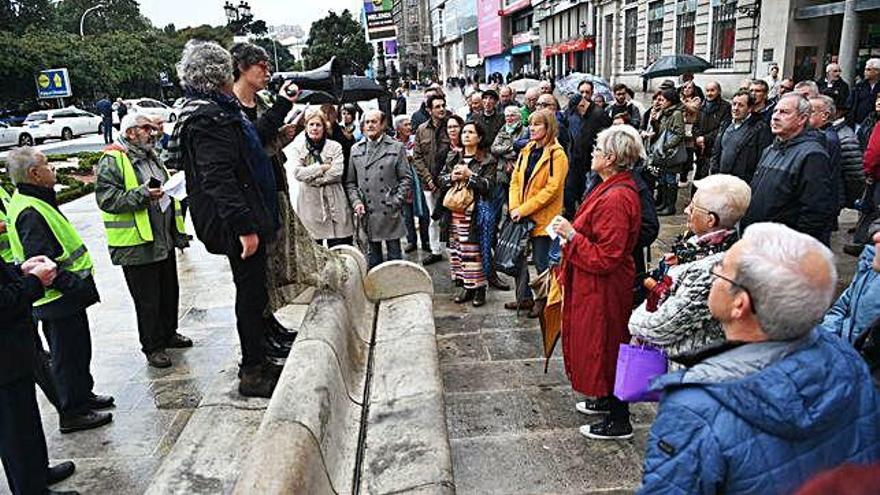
(53, 83)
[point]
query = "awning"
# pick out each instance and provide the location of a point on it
(577, 45)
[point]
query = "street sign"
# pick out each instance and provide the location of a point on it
(379, 20)
(53, 83)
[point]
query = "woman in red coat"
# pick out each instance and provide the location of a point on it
(597, 276)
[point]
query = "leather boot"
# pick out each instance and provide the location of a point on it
(276, 349)
(479, 297)
(279, 332)
(256, 381)
(670, 197)
(496, 283)
(464, 296)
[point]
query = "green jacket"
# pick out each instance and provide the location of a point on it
(112, 197)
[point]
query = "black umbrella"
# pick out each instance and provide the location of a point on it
(676, 65)
(315, 97)
(360, 88)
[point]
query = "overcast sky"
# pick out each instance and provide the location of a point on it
(185, 13)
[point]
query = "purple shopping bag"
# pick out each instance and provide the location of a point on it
(636, 367)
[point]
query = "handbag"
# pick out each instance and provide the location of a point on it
(660, 157)
(459, 198)
(511, 245)
(637, 365)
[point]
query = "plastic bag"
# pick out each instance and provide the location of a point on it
(511, 246)
(637, 365)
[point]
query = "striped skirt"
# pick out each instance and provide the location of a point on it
(465, 260)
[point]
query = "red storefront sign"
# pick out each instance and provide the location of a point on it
(578, 45)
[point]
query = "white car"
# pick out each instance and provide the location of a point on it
(151, 108)
(64, 123)
(14, 136)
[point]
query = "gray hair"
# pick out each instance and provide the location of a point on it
(400, 119)
(790, 276)
(512, 109)
(133, 120)
(625, 143)
(476, 94)
(803, 104)
(830, 66)
(727, 196)
(828, 103)
(811, 86)
(19, 161)
(205, 67)
(874, 63)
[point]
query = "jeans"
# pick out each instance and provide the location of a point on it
(668, 178)
(409, 220)
(71, 348)
(541, 257)
(155, 292)
(251, 299)
(434, 227)
(393, 248)
(22, 442)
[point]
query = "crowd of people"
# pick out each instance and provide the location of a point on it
(739, 304)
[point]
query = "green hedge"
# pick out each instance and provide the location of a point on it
(88, 160)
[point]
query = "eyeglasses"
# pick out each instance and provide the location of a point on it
(544, 105)
(691, 206)
(713, 271)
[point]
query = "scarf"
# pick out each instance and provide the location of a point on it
(709, 106)
(315, 148)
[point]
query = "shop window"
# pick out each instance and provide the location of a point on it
(630, 35)
(655, 30)
(685, 19)
(723, 34)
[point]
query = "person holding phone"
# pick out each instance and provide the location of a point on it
(143, 229)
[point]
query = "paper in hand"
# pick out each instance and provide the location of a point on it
(164, 202)
(174, 187)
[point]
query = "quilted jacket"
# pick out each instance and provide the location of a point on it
(859, 305)
(762, 418)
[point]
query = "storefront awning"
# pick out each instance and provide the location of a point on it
(577, 45)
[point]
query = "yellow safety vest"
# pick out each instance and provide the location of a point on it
(133, 228)
(74, 257)
(5, 249)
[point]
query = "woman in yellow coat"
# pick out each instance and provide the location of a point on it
(536, 188)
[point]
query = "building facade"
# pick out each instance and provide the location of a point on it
(454, 37)
(567, 38)
(413, 22)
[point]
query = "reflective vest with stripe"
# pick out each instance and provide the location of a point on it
(5, 250)
(74, 257)
(132, 228)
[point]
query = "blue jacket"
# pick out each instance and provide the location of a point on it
(762, 419)
(859, 305)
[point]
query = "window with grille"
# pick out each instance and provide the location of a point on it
(630, 33)
(655, 30)
(685, 18)
(723, 33)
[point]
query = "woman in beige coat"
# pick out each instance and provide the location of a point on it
(318, 165)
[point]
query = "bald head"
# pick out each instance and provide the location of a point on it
(531, 98)
(713, 90)
(547, 102)
(545, 87)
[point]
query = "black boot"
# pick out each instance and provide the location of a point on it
(256, 381)
(275, 348)
(279, 332)
(479, 297)
(464, 296)
(670, 197)
(658, 197)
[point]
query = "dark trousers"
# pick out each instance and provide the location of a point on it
(393, 248)
(409, 220)
(108, 131)
(70, 345)
(43, 371)
(573, 192)
(155, 293)
(541, 257)
(618, 410)
(22, 443)
(251, 298)
(339, 241)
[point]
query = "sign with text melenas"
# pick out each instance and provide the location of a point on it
(53, 83)
(380, 20)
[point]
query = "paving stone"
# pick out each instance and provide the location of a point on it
(517, 344)
(458, 348)
(558, 461)
(119, 476)
(488, 376)
(131, 434)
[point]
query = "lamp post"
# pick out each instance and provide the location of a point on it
(82, 19)
(238, 17)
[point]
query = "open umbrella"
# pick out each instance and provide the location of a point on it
(315, 97)
(360, 88)
(521, 85)
(568, 85)
(676, 65)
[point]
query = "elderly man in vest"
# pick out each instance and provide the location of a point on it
(143, 228)
(37, 227)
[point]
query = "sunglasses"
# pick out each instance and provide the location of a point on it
(713, 271)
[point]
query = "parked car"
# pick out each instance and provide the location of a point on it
(149, 107)
(15, 136)
(64, 123)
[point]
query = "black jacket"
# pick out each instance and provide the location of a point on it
(420, 116)
(592, 123)
(224, 199)
(37, 239)
(838, 91)
(757, 138)
(792, 186)
(712, 122)
(861, 102)
(17, 293)
(481, 183)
